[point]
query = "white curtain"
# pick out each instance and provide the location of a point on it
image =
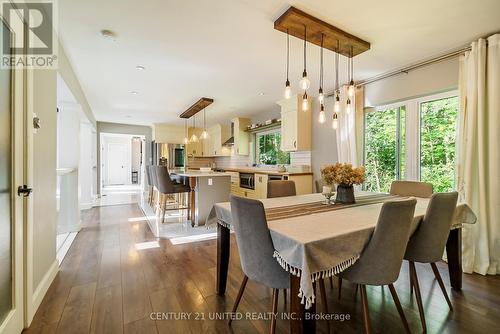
(478, 149)
(346, 131)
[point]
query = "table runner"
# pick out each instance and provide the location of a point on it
(320, 244)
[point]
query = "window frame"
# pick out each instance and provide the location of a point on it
(256, 144)
(412, 127)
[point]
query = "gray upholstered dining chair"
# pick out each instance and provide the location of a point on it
(150, 185)
(256, 250)
(411, 188)
(428, 242)
(380, 261)
(280, 188)
(154, 183)
(167, 187)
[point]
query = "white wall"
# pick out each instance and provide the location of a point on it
(68, 136)
(435, 78)
(87, 165)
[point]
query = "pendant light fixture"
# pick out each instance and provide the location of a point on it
(288, 89)
(336, 105)
(194, 137)
(204, 134)
(186, 140)
(350, 89)
(321, 97)
(304, 82)
(351, 74)
(322, 114)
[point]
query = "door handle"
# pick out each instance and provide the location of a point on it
(24, 190)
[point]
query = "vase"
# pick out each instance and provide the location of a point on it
(345, 194)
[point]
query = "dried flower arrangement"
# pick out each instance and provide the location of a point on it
(343, 174)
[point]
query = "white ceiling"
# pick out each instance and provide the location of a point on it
(229, 50)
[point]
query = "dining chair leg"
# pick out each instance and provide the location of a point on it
(340, 286)
(284, 295)
(322, 291)
(366, 314)
(400, 309)
(441, 284)
(274, 310)
(356, 290)
(413, 272)
(238, 297)
(331, 282)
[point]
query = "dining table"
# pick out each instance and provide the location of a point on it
(314, 239)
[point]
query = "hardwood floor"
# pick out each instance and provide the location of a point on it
(107, 284)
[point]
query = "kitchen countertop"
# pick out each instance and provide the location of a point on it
(197, 173)
(263, 171)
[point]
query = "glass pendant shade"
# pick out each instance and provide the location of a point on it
(204, 134)
(350, 90)
(288, 90)
(305, 102)
(304, 83)
(322, 115)
(348, 106)
(186, 140)
(335, 122)
(336, 106)
(321, 96)
(194, 138)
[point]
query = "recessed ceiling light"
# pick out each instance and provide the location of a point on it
(134, 92)
(262, 93)
(140, 68)
(128, 116)
(108, 34)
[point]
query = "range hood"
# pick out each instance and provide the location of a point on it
(230, 141)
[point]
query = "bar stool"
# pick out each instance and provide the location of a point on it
(166, 188)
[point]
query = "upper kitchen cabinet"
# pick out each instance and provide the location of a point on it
(217, 136)
(293, 136)
(241, 137)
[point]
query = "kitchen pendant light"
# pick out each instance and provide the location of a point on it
(194, 137)
(321, 96)
(304, 82)
(351, 75)
(186, 140)
(204, 134)
(322, 115)
(288, 89)
(305, 102)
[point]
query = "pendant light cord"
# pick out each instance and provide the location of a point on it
(337, 67)
(305, 46)
(321, 64)
(287, 54)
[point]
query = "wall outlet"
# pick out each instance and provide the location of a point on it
(210, 182)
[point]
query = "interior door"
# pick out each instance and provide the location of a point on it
(11, 205)
(118, 163)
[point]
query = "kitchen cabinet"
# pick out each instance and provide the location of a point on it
(217, 135)
(261, 185)
(295, 124)
(241, 137)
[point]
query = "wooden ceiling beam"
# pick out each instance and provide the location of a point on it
(294, 20)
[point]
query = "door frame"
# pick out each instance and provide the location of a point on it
(102, 175)
(15, 319)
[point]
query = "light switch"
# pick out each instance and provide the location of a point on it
(210, 182)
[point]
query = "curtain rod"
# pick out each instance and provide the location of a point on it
(407, 69)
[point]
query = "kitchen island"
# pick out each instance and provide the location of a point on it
(207, 188)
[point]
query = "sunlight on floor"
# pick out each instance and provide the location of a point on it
(147, 245)
(193, 238)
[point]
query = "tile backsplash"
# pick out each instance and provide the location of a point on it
(297, 160)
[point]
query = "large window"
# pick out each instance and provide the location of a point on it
(384, 147)
(437, 142)
(413, 140)
(268, 151)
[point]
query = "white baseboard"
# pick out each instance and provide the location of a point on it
(42, 288)
(86, 206)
